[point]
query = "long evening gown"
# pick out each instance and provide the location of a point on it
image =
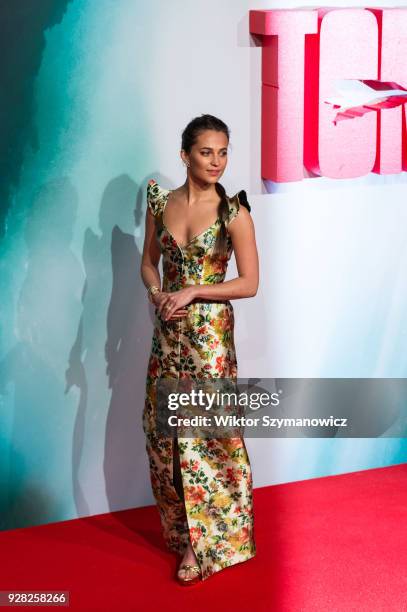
(217, 509)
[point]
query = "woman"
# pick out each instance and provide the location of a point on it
(203, 487)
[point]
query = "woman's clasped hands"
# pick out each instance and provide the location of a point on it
(171, 305)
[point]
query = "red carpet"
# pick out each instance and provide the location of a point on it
(334, 544)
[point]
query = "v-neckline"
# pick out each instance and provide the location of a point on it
(183, 246)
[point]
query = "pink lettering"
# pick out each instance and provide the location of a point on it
(305, 54)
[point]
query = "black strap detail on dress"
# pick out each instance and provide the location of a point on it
(243, 199)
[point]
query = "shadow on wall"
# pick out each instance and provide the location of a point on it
(112, 263)
(22, 27)
(88, 444)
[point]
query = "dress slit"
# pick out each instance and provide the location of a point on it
(176, 471)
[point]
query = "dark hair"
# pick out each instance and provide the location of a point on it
(189, 137)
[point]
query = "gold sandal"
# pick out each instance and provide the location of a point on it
(189, 581)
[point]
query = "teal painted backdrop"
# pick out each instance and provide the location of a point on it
(75, 153)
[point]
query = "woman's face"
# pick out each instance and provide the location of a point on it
(208, 156)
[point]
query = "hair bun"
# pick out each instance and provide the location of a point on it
(243, 199)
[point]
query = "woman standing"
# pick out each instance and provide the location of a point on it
(203, 488)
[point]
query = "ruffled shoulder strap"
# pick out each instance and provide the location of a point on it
(155, 197)
(235, 202)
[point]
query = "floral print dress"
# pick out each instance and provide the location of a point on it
(217, 514)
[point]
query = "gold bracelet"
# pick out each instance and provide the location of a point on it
(151, 291)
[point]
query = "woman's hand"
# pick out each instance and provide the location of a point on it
(160, 297)
(171, 304)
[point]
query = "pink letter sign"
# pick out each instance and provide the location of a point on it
(305, 54)
(392, 156)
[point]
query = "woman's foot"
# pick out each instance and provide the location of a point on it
(191, 572)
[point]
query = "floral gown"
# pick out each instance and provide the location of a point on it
(216, 476)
